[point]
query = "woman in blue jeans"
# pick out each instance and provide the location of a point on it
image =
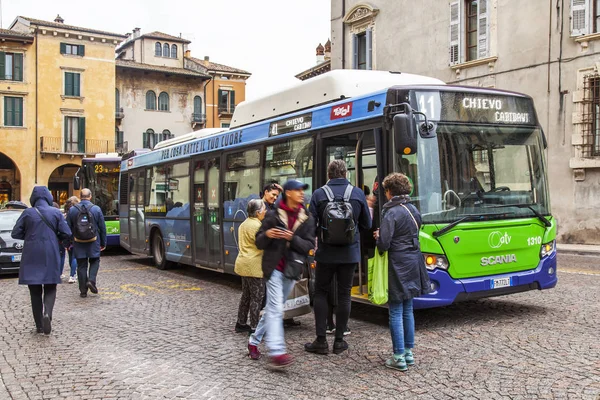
(407, 275)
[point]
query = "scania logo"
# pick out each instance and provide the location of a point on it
(497, 239)
(493, 260)
(18, 246)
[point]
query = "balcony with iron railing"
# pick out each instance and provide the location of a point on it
(198, 118)
(119, 114)
(226, 109)
(57, 146)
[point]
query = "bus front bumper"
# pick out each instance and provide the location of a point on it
(448, 290)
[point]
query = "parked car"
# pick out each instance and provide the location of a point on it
(10, 249)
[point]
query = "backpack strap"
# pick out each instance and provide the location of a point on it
(46, 221)
(328, 192)
(348, 193)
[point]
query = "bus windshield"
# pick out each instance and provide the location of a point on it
(478, 170)
(102, 178)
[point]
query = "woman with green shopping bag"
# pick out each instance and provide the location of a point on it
(407, 275)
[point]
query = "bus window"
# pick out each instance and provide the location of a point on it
(158, 196)
(178, 190)
(292, 159)
(241, 183)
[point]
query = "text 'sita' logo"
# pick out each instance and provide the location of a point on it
(497, 239)
(341, 111)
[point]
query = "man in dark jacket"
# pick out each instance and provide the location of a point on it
(44, 230)
(340, 261)
(289, 225)
(88, 253)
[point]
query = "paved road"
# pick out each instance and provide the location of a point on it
(169, 335)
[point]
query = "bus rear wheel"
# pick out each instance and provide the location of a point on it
(158, 252)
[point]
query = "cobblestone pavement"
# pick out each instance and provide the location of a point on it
(169, 335)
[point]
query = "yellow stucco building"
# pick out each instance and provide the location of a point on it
(58, 103)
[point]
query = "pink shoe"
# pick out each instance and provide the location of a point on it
(253, 352)
(281, 361)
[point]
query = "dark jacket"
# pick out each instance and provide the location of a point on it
(40, 263)
(92, 249)
(362, 219)
(399, 236)
(274, 249)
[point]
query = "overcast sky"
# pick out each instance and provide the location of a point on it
(273, 39)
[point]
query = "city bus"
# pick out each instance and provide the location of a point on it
(100, 174)
(475, 158)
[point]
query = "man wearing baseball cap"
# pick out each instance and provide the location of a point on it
(287, 225)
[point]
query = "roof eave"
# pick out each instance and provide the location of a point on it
(16, 38)
(44, 24)
(137, 68)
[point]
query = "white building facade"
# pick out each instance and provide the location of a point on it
(547, 49)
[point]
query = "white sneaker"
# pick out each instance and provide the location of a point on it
(72, 279)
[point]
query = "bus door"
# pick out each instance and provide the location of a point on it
(357, 149)
(207, 212)
(137, 233)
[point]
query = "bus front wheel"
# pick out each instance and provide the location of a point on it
(158, 252)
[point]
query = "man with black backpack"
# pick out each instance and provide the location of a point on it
(89, 239)
(341, 212)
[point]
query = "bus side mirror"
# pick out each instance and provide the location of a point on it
(405, 132)
(76, 183)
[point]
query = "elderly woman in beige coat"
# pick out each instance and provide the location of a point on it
(248, 265)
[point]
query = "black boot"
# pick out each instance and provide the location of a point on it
(317, 347)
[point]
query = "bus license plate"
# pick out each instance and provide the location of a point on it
(500, 283)
(16, 258)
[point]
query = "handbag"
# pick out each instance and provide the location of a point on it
(294, 264)
(378, 278)
(298, 301)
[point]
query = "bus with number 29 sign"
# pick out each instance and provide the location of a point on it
(475, 158)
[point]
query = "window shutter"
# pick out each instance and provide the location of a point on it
(76, 85)
(369, 35)
(66, 123)
(81, 50)
(2, 64)
(482, 29)
(63, 48)
(68, 84)
(18, 66)
(8, 111)
(18, 111)
(221, 105)
(354, 51)
(81, 135)
(145, 140)
(454, 33)
(231, 100)
(580, 16)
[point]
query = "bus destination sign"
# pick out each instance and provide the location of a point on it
(477, 107)
(290, 125)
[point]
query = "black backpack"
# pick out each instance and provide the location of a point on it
(337, 222)
(85, 230)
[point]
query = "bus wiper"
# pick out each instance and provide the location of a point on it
(539, 216)
(464, 218)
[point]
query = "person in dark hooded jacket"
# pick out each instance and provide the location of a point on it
(41, 227)
(407, 275)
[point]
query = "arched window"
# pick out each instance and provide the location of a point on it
(157, 49)
(173, 51)
(149, 139)
(167, 134)
(166, 50)
(117, 100)
(163, 102)
(150, 100)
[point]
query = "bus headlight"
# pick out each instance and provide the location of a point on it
(433, 261)
(548, 249)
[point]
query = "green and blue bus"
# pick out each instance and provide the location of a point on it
(475, 157)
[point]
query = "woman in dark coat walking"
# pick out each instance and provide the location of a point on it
(407, 275)
(41, 227)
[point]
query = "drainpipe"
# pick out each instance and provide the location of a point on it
(213, 93)
(37, 111)
(343, 35)
(210, 79)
